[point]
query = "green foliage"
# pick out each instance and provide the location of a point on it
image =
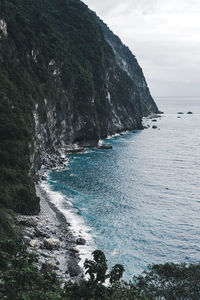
(116, 273)
(20, 278)
(97, 268)
(8, 226)
(54, 50)
(170, 281)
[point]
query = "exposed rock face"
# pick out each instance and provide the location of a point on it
(3, 28)
(127, 62)
(116, 103)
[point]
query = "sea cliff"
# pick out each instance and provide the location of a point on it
(66, 81)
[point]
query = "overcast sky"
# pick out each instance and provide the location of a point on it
(165, 37)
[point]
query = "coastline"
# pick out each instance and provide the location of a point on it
(49, 235)
(58, 222)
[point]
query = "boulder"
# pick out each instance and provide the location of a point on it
(34, 244)
(189, 112)
(74, 250)
(28, 223)
(27, 240)
(73, 268)
(154, 120)
(52, 244)
(154, 127)
(47, 267)
(106, 147)
(80, 241)
(180, 113)
(40, 233)
(75, 150)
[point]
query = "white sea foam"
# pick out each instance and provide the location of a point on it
(101, 142)
(78, 226)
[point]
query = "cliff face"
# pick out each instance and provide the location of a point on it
(65, 78)
(128, 63)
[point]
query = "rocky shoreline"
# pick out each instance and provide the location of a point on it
(49, 236)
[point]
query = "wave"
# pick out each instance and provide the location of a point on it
(77, 224)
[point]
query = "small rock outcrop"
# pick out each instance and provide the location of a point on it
(80, 241)
(52, 244)
(105, 147)
(34, 244)
(73, 268)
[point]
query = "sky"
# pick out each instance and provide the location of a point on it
(164, 35)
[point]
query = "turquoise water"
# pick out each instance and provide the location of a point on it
(141, 200)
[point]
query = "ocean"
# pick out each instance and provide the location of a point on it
(140, 201)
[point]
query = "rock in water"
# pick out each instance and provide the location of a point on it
(104, 146)
(80, 241)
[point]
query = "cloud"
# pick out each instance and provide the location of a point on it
(164, 36)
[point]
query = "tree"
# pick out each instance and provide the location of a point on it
(116, 273)
(97, 268)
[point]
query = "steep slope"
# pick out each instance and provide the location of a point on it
(62, 81)
(127, 62)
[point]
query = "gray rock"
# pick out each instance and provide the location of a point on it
(44, 254)
(52, 244)
(28, 223)
(40, 233)
(180, 113)
(27, 240)
(154, 127)
(106, 147)
(34, 244)
(47, 267)
(74, 250)
(80, 241)
(73, 268)
(75, 150)
(190, 113)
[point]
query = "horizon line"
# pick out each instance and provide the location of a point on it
(176, 96)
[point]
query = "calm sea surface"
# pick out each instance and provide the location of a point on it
(141, 200)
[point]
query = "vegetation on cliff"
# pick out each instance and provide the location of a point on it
(20, 279)
(58, 71)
